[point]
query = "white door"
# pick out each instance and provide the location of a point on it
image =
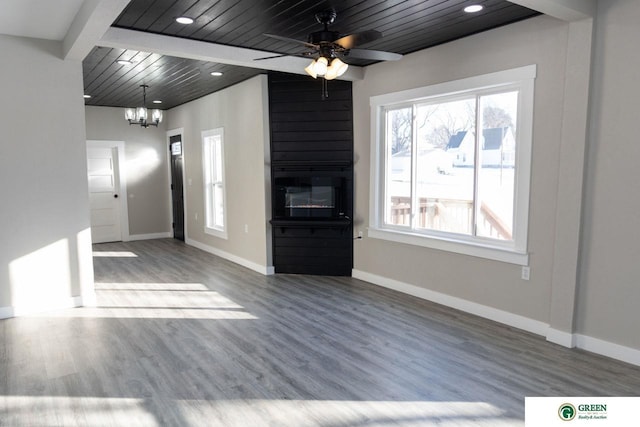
(104, 195)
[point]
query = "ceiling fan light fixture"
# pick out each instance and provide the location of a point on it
(311, 69)
(321, 66)
(335, 69)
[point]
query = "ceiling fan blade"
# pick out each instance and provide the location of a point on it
(287, 39)
(271, 57)
(375, 55)
(352, 40)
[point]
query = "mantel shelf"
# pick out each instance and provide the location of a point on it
(311, 223)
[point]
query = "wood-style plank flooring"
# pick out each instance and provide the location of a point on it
(183, 338)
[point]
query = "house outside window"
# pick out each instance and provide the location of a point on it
(214, 182)
(451, 165)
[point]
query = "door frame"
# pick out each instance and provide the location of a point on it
(170, 133)
(119, 161)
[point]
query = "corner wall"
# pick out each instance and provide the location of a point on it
(45, 255)
(610, 269)
(242, 110)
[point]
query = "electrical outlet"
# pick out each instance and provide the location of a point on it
(246, 228)
(196, 214)
(526, 271)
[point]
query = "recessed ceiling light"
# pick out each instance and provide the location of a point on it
(184, 20)
(216, 73)
(124, 62)
(157, 101)
(473, 8)
(86, 96)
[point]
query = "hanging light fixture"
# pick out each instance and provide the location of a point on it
(139, 116)
(326, 67)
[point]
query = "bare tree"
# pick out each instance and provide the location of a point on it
(401, 129)
(496, 117)
(450, 124)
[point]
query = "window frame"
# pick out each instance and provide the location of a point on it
(208, 155)
(514, 251)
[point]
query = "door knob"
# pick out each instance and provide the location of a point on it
(115, 196)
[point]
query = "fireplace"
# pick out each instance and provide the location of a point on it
(309, 197)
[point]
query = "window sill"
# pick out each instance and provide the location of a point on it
(450, 245)
(217, 233)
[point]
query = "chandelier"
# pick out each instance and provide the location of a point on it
(138, 116)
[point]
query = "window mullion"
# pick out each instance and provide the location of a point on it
(415, 207)
(476, 169)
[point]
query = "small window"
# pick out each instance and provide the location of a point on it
(451, 165)
(214, 182)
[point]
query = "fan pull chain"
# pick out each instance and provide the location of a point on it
(325, 89)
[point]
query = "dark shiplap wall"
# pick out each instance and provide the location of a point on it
(306, 128)
(309, 133)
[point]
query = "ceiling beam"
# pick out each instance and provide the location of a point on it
(566, 10)
(211, 52)
(92, 20)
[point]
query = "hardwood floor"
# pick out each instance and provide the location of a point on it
(183, 338)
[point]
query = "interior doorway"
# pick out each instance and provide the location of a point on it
(177, 184)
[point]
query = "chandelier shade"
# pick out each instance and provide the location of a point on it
(139, 116)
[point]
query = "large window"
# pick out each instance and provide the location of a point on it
(451, 165)
(214, 193)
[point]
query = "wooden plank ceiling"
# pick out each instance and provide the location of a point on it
(407, 26)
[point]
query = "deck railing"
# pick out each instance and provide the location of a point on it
(448, 215)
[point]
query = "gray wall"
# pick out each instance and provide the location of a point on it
(610, 269)
(146, 170)
(45, 254)
(601, 266)
(242, 111)
(539, 41)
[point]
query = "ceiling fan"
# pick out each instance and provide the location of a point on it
(328, 48)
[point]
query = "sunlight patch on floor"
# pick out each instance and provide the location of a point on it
(156, 411)
(157, 301)
(150, 286)
(114, 254)
(150, 313)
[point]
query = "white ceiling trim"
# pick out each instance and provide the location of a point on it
(211, 52)
(566, 10)
(92, 20)
(40, 19)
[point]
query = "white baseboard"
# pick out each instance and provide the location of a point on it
(6, 312)
(562, 338)
(266, 270)
(501, 316)
(565, 339)
(165, 235)
(89, 300)
(609, 349)
(16, 311)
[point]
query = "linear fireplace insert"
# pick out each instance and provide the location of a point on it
(309, 197)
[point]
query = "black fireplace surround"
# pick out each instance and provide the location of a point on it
(311, 176)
